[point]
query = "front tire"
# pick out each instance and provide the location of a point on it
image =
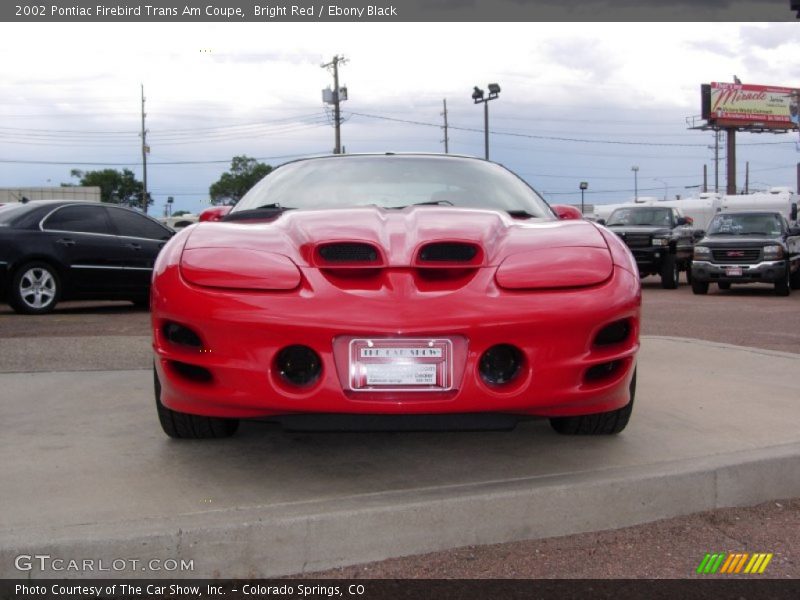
(35, 288)
(192, 427)
(699, 287)
(794, 279)
(606, 423)
(670, 272)
(783, 287)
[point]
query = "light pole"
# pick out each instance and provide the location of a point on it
(635, 170)
(583, 186)
(666, 187)
(478, 97)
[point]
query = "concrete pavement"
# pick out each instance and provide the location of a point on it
(87, 473)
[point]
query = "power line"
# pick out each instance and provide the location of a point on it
(551, 138)
(151, 163)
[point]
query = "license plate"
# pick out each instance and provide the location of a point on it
(733, 271)
(401, 364)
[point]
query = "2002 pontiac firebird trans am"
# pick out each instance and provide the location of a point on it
(407, 289)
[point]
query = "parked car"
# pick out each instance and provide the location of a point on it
(419, 289)
(215, 213)
(661, 240)
(748, 247)
(66, 250)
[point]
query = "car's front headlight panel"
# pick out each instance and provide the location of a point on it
(773, 252)
(702, 253)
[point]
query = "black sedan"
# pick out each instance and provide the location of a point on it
(67, 250)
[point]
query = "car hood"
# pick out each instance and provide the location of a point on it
(398, 234)
(648, 229)
(740, 241)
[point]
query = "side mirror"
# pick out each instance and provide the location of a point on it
(565, 212)
(793, 214)
(698, 234)
(794, 230)
(682, 221)
(601, 221)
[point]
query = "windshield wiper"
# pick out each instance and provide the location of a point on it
(264, 211)
(428, 203)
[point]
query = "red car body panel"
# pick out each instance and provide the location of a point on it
(250, 290)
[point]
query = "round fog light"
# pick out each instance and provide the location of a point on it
(299, 365)
(500, 364)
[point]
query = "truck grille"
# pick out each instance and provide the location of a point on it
(636, 240)
(736, 255)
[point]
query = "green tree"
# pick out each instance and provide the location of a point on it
(180, 213)
(245, 172)
(117, 187)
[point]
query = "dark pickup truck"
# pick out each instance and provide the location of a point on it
(748, 247)
(660, 238)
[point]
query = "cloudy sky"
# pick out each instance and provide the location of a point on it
(579, 102)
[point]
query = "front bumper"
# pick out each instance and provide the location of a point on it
(765, 271)
(242, 333)
(649, 259)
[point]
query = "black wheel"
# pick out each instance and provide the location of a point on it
(794, 279)
(670, 272)
(185, 426)
(607, 423)
(783, 287)
(35, 288)
(699, 287)
(724, 285)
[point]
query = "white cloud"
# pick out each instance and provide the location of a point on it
(578, 80)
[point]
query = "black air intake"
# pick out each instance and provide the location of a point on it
(448, 252)
(348, 252)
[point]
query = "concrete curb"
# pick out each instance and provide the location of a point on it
(307, 536)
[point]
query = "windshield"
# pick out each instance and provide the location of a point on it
(746, 224)
(660, 217)
(394, 182)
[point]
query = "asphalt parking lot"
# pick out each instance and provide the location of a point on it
(112, 339)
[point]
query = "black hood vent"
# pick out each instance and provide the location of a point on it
(457, 252)
(348, 252)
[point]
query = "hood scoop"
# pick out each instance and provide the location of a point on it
(347, 255)
(455, 253)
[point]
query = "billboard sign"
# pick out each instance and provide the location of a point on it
(745, 105)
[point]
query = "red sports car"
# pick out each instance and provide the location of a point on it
(418, 291)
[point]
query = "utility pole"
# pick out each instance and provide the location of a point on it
(145, 150)
(446, 139)
(334, 65)
(716, 160)
(747, 177)
(730, 135)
